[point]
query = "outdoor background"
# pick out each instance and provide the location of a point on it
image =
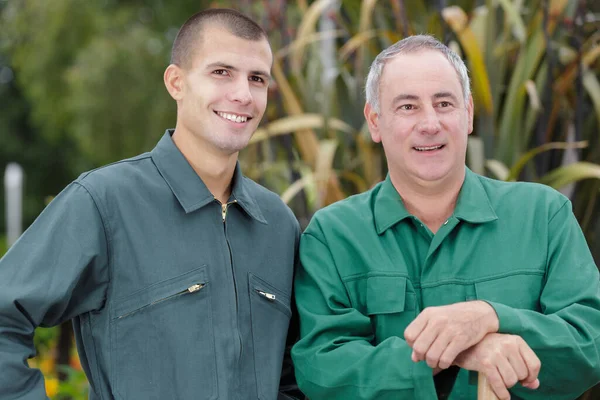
(81, 86)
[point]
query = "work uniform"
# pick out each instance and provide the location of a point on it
(368, 268)
(173, 295)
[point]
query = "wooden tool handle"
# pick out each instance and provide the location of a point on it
(484, 390)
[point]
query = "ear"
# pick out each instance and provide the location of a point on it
(373, 122)
(470, 112)
(174, 81)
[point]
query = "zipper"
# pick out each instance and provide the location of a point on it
(268, 296)
(235, 290)
(224, 209)
(192, 289)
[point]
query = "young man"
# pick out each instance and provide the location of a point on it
(175, 269)
(438, 268)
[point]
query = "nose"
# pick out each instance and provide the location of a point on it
(430, 122)
(240, 92)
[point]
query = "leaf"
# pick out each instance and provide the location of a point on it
(304, 41)
(475, 155)
(299, 123)
(565, 81)
(509, 141)
(575, 172)
(515, 20)
(355, 42)
(457, 19)
(324, 171)
(366, 15)
(296, 187)
(591, 84)
(498, 169)
(306, 29)
(516, 169)
(306, 140)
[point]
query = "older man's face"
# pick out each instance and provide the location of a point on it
(424, 120)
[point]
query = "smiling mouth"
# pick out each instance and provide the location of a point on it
(429, 148)
(233, 117)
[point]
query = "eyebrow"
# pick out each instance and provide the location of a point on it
(438, 95)
(441, 95)
(231, 67)
(401, 97)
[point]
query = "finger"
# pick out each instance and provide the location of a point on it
(509, 376)
(496, 382)
(423, 343)
(518, 365)
(414, 329)
(533, 385)
(435, 351)
(456, 345)
(532, 361)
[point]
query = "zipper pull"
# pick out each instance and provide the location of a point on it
(224, 211)
(267, 295)
(196, 287)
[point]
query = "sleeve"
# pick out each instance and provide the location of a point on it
(335, 357)
(565, 335)
(288, 387)
(54, 272)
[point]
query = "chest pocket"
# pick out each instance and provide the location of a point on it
(390, 305)
(162, 340)
(519, 290)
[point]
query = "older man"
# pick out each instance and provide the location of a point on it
(438, 268)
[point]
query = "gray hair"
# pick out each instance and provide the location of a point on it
(413, 44)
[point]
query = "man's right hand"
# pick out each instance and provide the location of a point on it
(505, 360)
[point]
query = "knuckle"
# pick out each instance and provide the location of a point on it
(431, 360)
(419, 349)
(445, 362)
(431, 364)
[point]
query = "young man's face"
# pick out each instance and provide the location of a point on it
(424, 120)
(224, 93)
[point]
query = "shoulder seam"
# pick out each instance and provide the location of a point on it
(127, 160)
(567, 201)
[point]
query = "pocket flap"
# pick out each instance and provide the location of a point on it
(386, 294)
(517, 291)
(280, 298)
(159, 291)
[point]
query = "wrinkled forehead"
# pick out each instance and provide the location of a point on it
(417, 71)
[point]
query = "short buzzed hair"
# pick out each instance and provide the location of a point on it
(190, 33)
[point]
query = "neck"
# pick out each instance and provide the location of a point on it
(214, 168)
(433, 203)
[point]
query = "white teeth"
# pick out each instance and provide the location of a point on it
(428, 148)
(233, 117)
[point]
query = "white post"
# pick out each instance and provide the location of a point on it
(13, 189)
